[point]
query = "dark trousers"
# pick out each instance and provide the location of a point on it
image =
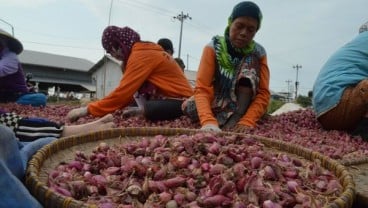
(158, 110)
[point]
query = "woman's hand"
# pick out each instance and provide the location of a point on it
(211, 127)
(75, 114)
(241, 128)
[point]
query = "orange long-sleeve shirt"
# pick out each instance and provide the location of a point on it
(147, 62)
(204, 91)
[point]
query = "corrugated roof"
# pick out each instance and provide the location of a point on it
(53, 60)
(102, 61)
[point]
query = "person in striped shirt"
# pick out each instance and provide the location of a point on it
(28, 129)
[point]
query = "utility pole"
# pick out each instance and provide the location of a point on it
(104, 57)
(181, 17)
(288, 82)
(187, 66)
(297, 67)
(111, 2)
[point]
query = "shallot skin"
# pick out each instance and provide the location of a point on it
(270, 204)
(217, 200)
(256, 162)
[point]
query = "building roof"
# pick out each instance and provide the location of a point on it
(56, 61)
(102, 61)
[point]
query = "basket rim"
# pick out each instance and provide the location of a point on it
(42, 192)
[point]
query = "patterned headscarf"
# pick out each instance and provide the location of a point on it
(119, 38)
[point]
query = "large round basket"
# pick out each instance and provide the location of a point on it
(63, 150)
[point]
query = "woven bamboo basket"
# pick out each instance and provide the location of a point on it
(63, 149)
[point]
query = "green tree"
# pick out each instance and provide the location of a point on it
(274, 105)
(304, 101)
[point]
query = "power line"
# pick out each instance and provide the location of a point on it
(11, 26)
(152, 8)
(135, 4)
(202, 28)
(164, 12)
(44, 35)
(64, 46)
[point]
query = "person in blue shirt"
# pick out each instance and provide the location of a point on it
(14, 156)
(15, 153)
(340, 92)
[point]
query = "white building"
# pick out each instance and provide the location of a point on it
(106, 75)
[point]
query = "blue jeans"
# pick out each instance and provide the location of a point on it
(33, 99)
(14, 156)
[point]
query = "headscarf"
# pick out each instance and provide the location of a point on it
(119, 38)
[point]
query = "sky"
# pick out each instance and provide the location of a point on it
(293, 32)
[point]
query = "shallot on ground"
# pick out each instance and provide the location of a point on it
(296, 127)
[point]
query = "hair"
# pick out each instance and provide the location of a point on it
(180, 63)
(167, 45)
(246, 8)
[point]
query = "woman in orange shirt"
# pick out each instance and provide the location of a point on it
(144, 64)
(232, 87)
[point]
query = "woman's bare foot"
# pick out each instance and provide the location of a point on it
(104, 126)
(103, 123)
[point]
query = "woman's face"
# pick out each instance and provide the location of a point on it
(242, 31)
(117, 53)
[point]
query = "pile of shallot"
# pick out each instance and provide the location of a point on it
(297, 127)
(200, 170)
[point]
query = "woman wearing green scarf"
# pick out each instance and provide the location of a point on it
(232, 86)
